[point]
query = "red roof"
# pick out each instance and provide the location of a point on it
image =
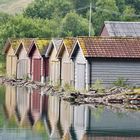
(114, 47)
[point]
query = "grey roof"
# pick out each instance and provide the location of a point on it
(56, 42)
(118, 28)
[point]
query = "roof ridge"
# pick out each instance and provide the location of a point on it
(121, 22)
(110, 37)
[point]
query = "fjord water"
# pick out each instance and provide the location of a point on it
(29, 114)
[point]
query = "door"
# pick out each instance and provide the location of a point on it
(37, 69)
(80, 76)
(66, 73)
(22, 69)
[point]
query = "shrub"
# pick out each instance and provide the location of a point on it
(120, 82)
(98, 86)
(69, 87)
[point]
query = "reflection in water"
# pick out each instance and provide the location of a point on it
(22, 106)
(38, 116)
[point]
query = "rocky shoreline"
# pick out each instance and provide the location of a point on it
(120, 97)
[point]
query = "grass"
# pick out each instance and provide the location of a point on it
(13, 6)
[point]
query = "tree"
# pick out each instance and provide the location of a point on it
(48, 9)
(121, 5)
(134, 4)
(105, 10)
(128, 14)
(74, 25)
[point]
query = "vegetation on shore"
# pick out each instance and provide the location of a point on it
(51, 18)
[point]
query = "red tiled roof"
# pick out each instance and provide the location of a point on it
(115, 47)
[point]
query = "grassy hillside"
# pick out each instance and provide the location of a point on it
(13, 6)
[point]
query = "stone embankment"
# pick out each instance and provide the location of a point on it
(24, 83)
(116, 96)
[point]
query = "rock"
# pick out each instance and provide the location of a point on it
(93, 91)
(69, 99)
(74, 95)
(115, 101)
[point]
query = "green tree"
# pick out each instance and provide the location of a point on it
(128, 14)
(135, 4)
(74, 25)
(48, 9)
(105, 10)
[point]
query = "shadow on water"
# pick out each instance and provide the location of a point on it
(29, 114)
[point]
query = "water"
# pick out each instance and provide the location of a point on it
(27, 114)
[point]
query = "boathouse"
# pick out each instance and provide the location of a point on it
(11, 59)
(23, 63)
(121, 28)
(54, 63)
(39, 63)
(67, 65)
(106, 59)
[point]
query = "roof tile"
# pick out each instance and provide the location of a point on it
(110, 47)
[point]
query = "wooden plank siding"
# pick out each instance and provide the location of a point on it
(23, 63)
(54, 68)
(22, 69)
(36, 69)
(80, 63)
(104, 32)
(11, 63)
(66, 69)
(39, 64)
(110, 70)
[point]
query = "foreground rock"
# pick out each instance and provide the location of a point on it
(20, 83)
(114, 96)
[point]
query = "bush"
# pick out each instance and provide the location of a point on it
(69, 87)
(98, 86)
(120, 82)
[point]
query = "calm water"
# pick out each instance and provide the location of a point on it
(28, 114)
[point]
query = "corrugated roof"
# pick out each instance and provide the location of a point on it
(114, 47)
(118, 28)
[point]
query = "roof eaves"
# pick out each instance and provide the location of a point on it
(58, 55)
(50, 46)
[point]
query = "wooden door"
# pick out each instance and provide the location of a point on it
(9, 66)
(66, 73)
(80, 76)
(22, 69)
(37, 69)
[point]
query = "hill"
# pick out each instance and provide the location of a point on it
(13, 6)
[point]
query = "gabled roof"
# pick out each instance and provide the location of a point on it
(55, 43)
(108, 47)
(41, 44)
(11, 42)
(67, 44)
(26, 42)
(119, 28)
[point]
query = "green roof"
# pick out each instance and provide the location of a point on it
(42, 45)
